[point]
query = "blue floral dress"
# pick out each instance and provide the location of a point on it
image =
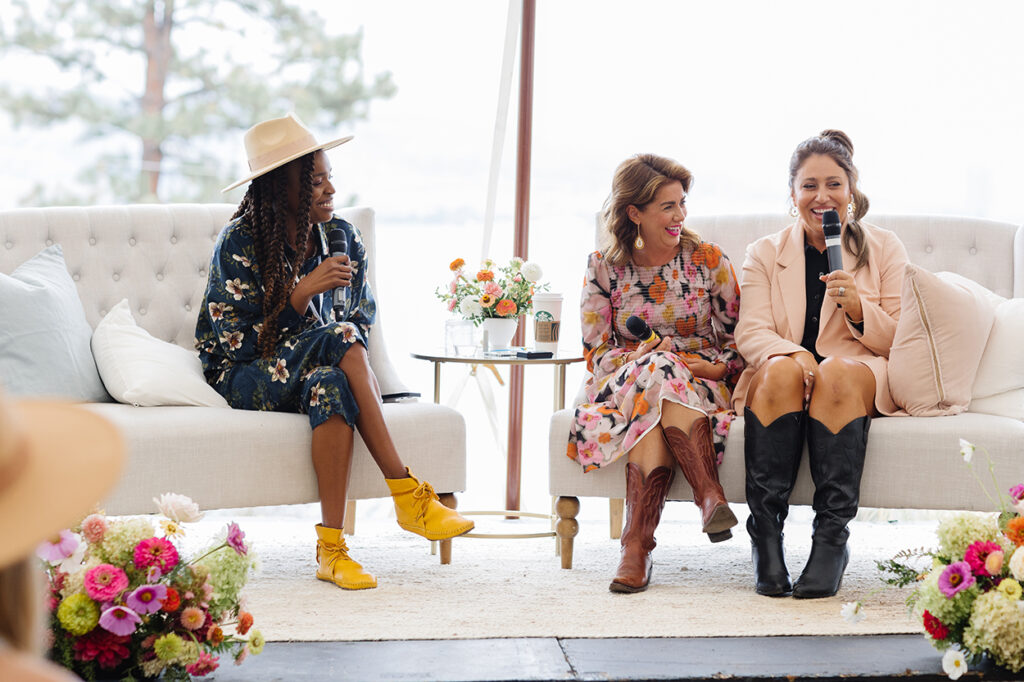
(302, 375)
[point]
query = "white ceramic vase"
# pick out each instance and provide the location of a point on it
(500, 331)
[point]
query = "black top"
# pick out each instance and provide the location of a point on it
(816, 265)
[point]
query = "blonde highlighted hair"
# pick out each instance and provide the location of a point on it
(636, 182)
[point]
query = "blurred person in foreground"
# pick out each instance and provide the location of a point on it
(57, 461)
(816, 344)
(667, 400)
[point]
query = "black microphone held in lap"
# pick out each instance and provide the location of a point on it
(339, 247)
(833, 229)
(640, 329)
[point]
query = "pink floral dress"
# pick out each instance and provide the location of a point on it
(694, 299)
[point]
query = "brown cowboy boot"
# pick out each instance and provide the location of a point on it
(696, 457)
(644, 501)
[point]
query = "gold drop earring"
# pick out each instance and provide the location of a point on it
(851, 210)
(639, 242)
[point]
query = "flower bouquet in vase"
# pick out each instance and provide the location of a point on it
(124, 603)
(494, 297)
(967, 596)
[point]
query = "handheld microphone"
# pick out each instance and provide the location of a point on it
(833, 228)
(640, 329)
(339, 247)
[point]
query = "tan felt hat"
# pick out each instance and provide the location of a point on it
(57, 460)
(274, 143)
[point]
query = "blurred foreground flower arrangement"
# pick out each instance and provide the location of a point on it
(968, 599)
(125, 604)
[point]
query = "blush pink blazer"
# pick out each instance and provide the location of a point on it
(774, 300)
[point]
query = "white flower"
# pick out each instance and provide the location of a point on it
(470, 307)
(279, 372)
(532, 271)
(73, 562)
(853, 612)
(179, 508)
(966, 451)
(954, 664)
(1017, 564)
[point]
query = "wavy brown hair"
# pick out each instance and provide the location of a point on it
(837, 145)
(264, 209)
(636, 181)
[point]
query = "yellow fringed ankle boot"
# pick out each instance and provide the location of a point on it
(335, 565)
(419, 510)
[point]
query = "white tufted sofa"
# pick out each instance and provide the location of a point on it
(912, 462)
(157, 257)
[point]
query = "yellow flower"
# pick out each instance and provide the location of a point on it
(256, 642)
(78, 614)
(171, 528)
(168, 647)
(1011, 588)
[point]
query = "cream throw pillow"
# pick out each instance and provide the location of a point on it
(141, 370)
(1009, 404)
(1002, 363)
(941, 334)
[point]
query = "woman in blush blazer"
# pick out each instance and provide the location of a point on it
(816, 345)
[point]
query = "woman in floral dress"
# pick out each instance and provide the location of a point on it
(269, 337)
(668, 400)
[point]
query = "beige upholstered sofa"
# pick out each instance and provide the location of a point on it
(157, 257)
(912, 462)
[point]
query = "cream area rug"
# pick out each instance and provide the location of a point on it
(516, 588)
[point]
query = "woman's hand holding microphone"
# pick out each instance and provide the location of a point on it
(650, 342)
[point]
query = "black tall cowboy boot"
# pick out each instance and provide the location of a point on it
(697, 460)
(772, 458)
(837, 461)
(645, 499)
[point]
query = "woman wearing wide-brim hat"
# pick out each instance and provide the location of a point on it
(269, 337)
(56, 462)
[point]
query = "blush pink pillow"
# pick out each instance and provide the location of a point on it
(943, 327)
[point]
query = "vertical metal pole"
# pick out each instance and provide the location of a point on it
(521, 246)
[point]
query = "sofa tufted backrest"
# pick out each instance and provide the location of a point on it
(156, 256)
(982, 250)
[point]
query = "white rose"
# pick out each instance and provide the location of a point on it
(178, 508)
(470, 307)
(1017, 563)
(531, 271)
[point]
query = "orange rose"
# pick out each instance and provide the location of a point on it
(456, 265)
(484, 276)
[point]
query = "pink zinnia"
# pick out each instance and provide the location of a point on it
(58, 548)
(1017, 492)
(977, 553)
(119, 620)
(192, 618)
(158, 552)
(493, 289)
(204, 666)
(105, 582)
(147, 598)
(955, 578)
(236, 539)
(94, 527)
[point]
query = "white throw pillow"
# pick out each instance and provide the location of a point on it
(1002, 363)
(1009, 404)
(141, 370)
(44, 336)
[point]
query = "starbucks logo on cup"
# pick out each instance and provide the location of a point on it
(543, 316)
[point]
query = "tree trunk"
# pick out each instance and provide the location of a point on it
(157, 36)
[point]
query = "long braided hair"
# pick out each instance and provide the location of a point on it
(264, 208)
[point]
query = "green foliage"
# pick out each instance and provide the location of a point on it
(178, 81)
(901, 570)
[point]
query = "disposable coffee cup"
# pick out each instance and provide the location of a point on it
(547, 317)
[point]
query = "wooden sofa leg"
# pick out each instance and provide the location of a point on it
(448, 500)
(567, 527)
(616, 507)
(350, 518)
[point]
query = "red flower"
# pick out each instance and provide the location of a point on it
(934, 626)
(244, 622)
(173, 600)
(104, 647)
(157, 552)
